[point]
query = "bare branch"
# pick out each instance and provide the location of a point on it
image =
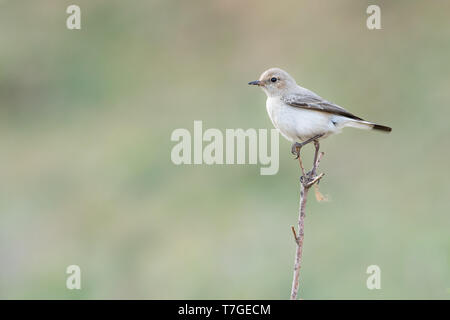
(319, 159)
(299, 251)
(307, 180)
(301, 166)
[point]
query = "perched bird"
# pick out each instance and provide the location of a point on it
(301, 115)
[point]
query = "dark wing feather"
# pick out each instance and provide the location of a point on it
(314, 102)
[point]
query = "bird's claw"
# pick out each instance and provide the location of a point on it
(295, 149)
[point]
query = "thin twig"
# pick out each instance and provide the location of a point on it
(295, 234)
(299, 242)
(306, 182)
(319, 159)
(301, 165)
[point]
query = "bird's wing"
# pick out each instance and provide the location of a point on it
(311, 101)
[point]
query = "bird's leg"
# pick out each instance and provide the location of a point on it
(316, 155)
(295, 149)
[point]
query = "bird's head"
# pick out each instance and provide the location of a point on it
(275, 82)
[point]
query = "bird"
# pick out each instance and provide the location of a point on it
(301, 115)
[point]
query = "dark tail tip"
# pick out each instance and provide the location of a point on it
(381, 128)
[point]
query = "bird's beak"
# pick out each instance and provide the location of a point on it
(256, 83)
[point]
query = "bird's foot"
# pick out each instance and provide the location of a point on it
(303, 179)
(312, 175)
(309, 176)
(295, 149)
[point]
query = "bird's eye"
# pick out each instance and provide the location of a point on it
(274, 79)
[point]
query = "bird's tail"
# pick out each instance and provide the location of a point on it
(361, 124)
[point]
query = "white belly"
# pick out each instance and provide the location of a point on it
(297, 124)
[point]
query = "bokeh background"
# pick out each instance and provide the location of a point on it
(85, 170)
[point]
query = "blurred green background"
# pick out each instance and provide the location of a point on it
(85, 170)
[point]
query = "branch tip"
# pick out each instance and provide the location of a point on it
(295, 234)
